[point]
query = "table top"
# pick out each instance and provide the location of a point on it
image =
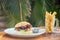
(45, 36)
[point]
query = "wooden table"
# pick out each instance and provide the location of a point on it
(52, 36)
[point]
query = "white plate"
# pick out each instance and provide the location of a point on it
(12, 32)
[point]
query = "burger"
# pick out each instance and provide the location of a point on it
(23, 28)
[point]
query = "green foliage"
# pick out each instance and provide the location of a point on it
(17, 10)
(50, 5)
(38, 14)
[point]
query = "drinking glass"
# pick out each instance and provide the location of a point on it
(56, 27)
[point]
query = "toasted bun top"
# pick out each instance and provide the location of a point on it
(20, 24)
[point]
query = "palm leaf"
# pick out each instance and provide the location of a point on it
(37, 16)
(17, 10)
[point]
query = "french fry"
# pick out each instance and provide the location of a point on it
(49, 21)
(54, 13)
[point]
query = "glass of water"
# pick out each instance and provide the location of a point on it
(56, 27)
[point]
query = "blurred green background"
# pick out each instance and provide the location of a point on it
(33, 11)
